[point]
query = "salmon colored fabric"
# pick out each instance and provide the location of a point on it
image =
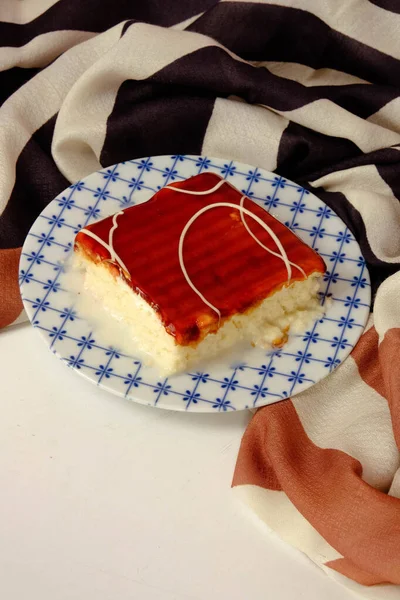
(10, 299)
(327, 488)
(332, 452)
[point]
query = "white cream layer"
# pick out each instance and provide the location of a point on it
(291, 307)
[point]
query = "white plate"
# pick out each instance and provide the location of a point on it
(259, 377)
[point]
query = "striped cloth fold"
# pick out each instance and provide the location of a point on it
(307, 89)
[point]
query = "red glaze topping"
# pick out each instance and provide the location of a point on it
(230, 269)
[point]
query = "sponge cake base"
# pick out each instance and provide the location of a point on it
(266, 325)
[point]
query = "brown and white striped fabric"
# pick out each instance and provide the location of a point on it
(309, 89)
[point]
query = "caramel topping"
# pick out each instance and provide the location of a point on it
(233, 263)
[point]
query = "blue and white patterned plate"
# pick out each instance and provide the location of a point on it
(260, 377)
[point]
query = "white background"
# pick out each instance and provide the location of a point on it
(102, 499)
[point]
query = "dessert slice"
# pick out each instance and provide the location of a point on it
(198, 268)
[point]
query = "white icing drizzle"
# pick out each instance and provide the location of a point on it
(291, 264)
(243, 211)
(113, 228)
(201, 193)
(283, 256)
(246, 212)
(113, 255)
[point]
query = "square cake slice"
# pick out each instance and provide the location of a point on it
(197, 269)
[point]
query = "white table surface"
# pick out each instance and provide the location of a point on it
(101, 498)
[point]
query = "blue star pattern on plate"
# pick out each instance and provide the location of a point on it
(261, 377)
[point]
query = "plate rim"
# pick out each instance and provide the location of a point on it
(194, 408)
